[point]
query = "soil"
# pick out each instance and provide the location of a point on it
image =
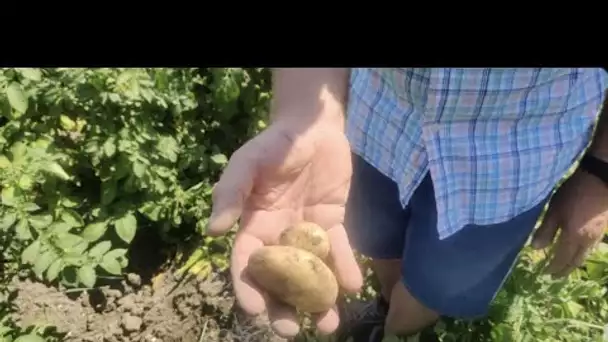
(143, 306)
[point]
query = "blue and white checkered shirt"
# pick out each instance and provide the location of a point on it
(496, 141)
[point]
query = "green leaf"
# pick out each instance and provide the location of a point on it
(4, 162)
(109, 148)
(111, 265)
(72, 218)
(126, 227)
(56, 170)
(42, 143)
(168, 148)
(79, 248)
(8, 196)
(69, 202)
(29, 338)
(7, 221)
(67, 240)
(31, 73)
(116, 253)
(26, 182)
(151, 210)
(23, 230)
(40, 221)
(108, 192)
(573, 308)
(66, 122)
(100, 249)
(159, 185)
(17, 97)
(123, 167)
(30, 207)
(94, 231)
(74, 259)
(59, 228)
(43, 262)
(18, 152)
(139, 169)
(87, 276)
(30, 253)
(219, 159)
(596, 271)
(119, 255)
(53, 271)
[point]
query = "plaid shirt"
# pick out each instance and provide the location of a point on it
(496, 141)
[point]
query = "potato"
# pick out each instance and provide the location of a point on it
(307, 236)
(295, 277)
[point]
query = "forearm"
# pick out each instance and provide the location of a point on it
(310, 95)
(599, 146)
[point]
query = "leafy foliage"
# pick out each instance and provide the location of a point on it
(534, 307)
(92, 155)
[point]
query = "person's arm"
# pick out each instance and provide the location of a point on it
(599, 146)
(308, 95)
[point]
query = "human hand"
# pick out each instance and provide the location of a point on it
(288, 173)
(580, 209)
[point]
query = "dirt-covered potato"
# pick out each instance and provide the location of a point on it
(295, 277)
(307, 236)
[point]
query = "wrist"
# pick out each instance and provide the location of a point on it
(307, 116)
(310, 96)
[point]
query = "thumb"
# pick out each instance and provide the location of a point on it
(545, 234)
(231, 192)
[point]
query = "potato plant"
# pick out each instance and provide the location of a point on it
(90, 155)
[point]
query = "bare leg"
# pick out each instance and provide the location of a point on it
(388, 273)
(406, 315)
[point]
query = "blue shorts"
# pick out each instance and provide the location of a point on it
(458, 276)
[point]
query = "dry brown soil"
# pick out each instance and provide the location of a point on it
(149, 304)
(195, 311)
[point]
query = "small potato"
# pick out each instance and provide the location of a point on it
(295, 277)
(307, 236)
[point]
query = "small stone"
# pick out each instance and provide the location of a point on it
(131, 323)
(112, 293)
(146, 290)
(211, 288)
(134, 279)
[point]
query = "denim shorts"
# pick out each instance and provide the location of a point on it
(458, 276)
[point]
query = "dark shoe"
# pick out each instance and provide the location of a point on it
(362, 321)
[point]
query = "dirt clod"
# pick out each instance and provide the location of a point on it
(131, 323)
(196, 310)
(134, 279)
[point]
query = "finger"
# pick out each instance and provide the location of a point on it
(563, 255)
(258, 228)
(545, 234)
(249, 298)
(582, 255)
(283, 319)
(328, 322)
(345, 265)
(231, 192)
(579, 257)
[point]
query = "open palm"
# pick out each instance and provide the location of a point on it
(280, 177)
